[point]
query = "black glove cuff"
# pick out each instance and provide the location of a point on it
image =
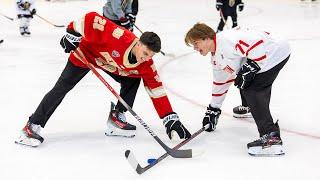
(73, 33)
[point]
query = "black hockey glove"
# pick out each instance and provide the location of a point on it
(172, 123)
(33, 12)
(246, 74)
(219, 6)
(125, 22)
(211, 117)
(131, 17)
(241, 6)
(70, 41)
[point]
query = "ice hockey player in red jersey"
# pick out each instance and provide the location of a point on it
(252, 60)
(120, 54)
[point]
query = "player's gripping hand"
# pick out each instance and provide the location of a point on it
(211, 117)
(173, 124)
(241, 6)
(246, 74)
(219, 6)
(70, 41)
(126, 23)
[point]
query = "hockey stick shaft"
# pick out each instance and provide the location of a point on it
(222, 17)
(10, 18)
(163, 53)
(174, 153)
(134, 163)
(49, 21)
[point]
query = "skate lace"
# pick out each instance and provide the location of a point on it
(121, 116)
(263, 138)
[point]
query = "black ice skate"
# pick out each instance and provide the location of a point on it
(242, 112)
(24, 31)
(117, 125)
(268, 145)
(30, 135)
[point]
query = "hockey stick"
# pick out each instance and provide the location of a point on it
(222, 17)
(49, 21)
(163, 53)
(10, 18)
(172, 152)
(134, 163)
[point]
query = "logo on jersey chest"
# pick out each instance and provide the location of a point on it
(115, 54)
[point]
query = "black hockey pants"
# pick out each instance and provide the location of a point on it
(257, 96)
(234, 21)
(69, 77)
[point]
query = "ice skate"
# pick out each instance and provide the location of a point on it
(117, 125)
(268, 145)
(30, 135)
(242, 112)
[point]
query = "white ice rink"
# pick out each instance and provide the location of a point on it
(75, 147)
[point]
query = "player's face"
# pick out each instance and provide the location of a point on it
(143, 53)
(202, 45)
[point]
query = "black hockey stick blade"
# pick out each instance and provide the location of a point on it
(186, 153)
(135, 165)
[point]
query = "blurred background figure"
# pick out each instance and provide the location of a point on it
(228, 8)
(121, 12)
(25, 12)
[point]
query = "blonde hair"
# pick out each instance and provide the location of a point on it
(197, 32)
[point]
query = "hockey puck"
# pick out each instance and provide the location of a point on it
(151, 161)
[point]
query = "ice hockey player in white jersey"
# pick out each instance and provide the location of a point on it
(252, 60)
(25, 12)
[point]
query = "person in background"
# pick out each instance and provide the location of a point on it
(25, 11)
(228, 8)
(122, 12)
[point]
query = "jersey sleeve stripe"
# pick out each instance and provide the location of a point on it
(156, 92)
(214, 94)
(223, 83)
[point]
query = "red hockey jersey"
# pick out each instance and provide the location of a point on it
(107, 46)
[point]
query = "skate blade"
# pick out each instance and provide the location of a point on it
(272, 151)
(121, 133)
(28, 142)
(26, 35)
(249, 115)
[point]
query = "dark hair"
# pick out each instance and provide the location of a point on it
(151, 40)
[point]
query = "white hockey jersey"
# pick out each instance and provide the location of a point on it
(233, 48)
(23, 11)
